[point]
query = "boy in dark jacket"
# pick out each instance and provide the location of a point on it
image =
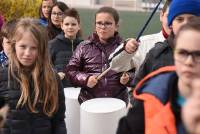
(62, 46)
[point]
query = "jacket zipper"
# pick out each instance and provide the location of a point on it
(72, 45)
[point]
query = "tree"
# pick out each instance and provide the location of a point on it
(13, 9)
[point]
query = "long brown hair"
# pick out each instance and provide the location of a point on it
(41, 73)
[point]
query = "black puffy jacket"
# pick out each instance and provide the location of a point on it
(61, 50)
(21, 121)
(159, 56)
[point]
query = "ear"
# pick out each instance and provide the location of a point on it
(170, 27)
(117, 27)
(161, 16)
(79, 26)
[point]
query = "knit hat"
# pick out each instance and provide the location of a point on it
(178, 7)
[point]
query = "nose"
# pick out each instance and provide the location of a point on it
(27, 52)
(70, 26)
(103, 25)
(186, 21)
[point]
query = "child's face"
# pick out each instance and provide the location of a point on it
(56, 16)
(187, 65)
(179, 21)
(26, 49)
(70, 26)
(6, 46)
(46, 6)
(163, 19)
(105, 26)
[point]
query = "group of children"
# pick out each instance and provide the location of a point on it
(36, 66)
(164, 81)
(41, 57)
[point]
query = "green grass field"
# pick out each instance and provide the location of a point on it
(130, 22)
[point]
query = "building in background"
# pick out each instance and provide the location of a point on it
(135, 5)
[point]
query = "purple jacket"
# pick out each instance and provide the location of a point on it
(91, 58)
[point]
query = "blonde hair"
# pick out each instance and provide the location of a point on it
(41, 74)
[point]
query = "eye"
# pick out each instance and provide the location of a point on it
(99, 23)
(66, 24)
(179, 19)
(60, 13)
(197, 54)
(108, 23)
(33, 48)
(22, 46)
(73, 24)
(183, 52)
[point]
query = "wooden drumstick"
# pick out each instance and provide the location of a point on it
(103, 73)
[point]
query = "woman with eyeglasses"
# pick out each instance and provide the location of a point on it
(55, 19)
(91, 58)
(164, 91)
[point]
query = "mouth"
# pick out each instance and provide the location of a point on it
(70, 31)
(26, 59)
(102, 32)
(188, 73)
(57, 21)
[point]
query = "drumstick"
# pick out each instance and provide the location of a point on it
(121, 49)
(140, 33)
(103, 73)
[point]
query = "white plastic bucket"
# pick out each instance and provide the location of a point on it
(72, 113)
(101, 115)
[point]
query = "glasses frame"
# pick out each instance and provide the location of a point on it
(106, 24)
(185, 54)
(59, 14)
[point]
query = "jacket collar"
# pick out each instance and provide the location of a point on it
(162, 90)
(113, 40)
(165, 76)
(66, 40)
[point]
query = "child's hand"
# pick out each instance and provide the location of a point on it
(92, 81)
(124, 78)
(191, 110)
(61, 75)
(3, 113)
(131, 45)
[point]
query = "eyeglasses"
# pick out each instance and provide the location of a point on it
(106, 24)
(181, 55)
(59, 14)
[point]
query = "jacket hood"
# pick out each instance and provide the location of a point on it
(161, 91)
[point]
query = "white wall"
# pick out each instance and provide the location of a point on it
(74, 3)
